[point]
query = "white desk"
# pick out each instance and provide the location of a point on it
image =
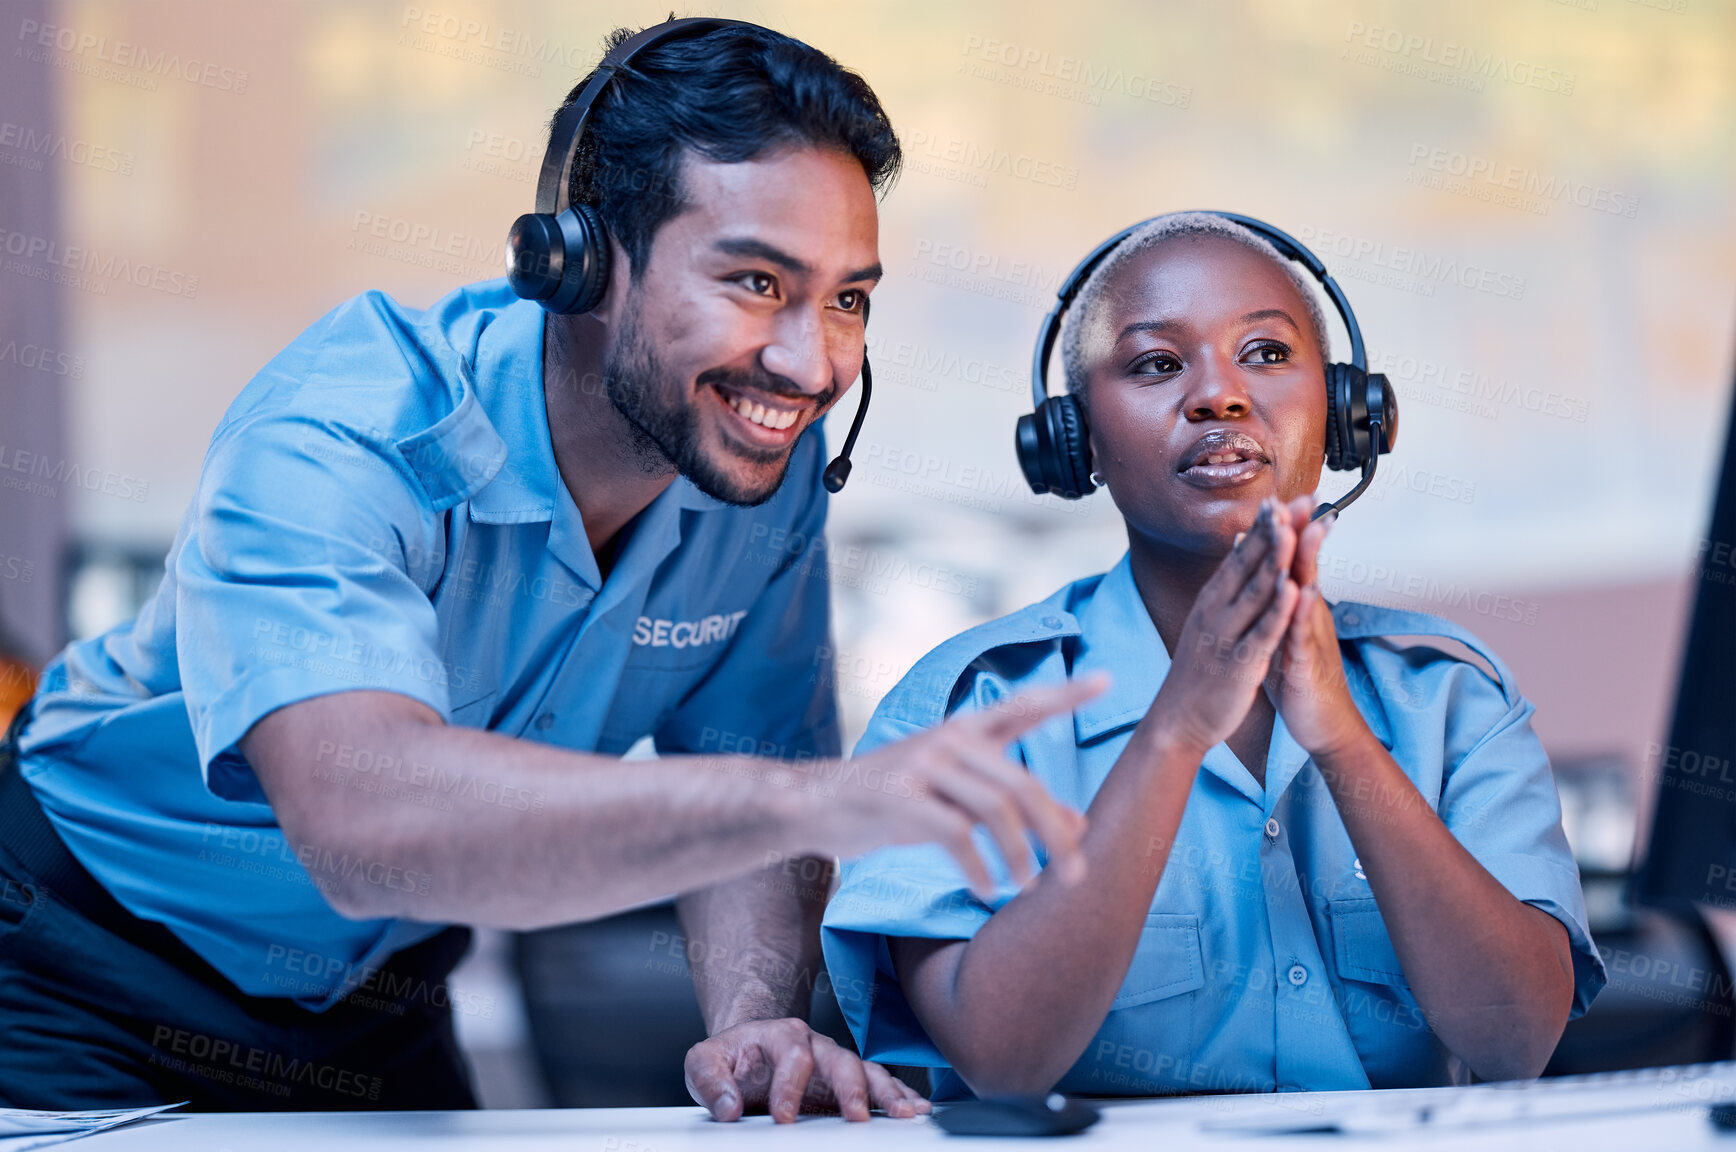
(1149, 1126)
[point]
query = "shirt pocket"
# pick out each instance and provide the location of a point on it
(647, 695)
(475, 713)
(1362, 949)
(1167, 963)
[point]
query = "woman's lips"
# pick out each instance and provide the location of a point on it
(1223, 458)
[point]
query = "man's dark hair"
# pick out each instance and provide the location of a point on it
(730, 95)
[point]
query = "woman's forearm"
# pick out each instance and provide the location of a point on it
(1493, 975)
(1013, 1007)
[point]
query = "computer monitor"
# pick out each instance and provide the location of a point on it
(1691, 858)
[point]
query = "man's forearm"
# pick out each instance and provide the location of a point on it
(754, 942)
(399, 815)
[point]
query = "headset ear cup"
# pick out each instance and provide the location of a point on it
(1388, 413)
(574, 273)
(532, 267)
(1027, 445)
(1335, 401)
(1054, 448)
(584, 265)
(1072, 441)
(592, 264)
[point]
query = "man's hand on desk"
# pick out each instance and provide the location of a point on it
(785, 1068)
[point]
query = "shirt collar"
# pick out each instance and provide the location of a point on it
(529, 488)
(509, 379)
(1119, 638)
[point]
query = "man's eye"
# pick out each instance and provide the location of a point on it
(850, 300)
(760, 283)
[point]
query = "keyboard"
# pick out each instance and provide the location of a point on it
(1675, 1088)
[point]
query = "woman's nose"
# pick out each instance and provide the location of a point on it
(1215, 391)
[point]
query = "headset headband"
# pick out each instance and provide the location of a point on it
(1288, 246)
(555, 180)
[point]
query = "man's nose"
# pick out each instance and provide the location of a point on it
(1215, 390)
(797, 352)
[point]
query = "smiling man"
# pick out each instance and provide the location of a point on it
(443, 568)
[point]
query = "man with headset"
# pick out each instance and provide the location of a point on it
(443, 568)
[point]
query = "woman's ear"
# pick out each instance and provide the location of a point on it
(1093, 456)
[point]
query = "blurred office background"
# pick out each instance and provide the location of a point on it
(1531, 203)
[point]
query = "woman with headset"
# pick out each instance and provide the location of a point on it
(1317, 858)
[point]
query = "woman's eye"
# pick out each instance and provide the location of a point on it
(1270, 354)
(1157, 362)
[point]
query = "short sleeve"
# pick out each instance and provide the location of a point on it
(913, 890)
(1499, 801)
(775, 682)
(297, 581)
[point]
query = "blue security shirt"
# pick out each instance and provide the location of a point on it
(380, 509)
(1264, 963)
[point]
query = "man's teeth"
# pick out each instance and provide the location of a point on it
(760, 414)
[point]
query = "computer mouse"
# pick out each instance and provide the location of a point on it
(1051, 1115)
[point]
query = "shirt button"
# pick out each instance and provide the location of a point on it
(1051, 621)
(1272, 828)
(1351, 619)
(1298, 975)
(545, 721)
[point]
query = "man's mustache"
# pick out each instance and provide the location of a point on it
(768, 383)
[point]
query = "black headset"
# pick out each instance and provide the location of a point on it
(1054, 442)
(559, 254)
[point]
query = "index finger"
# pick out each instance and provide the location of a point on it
(1246, 555)
(793, 1064)
(1013, 716)
(711, 1083)
(842, 1072)
(1305, 565)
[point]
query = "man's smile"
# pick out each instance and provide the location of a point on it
(760, 418)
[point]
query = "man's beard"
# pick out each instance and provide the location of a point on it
(665, 430)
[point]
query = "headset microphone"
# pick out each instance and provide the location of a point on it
(838, 470)
(1054, 442)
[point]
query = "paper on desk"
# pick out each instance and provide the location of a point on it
(22, 1128)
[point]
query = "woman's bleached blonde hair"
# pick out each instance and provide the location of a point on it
(1087, 303)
